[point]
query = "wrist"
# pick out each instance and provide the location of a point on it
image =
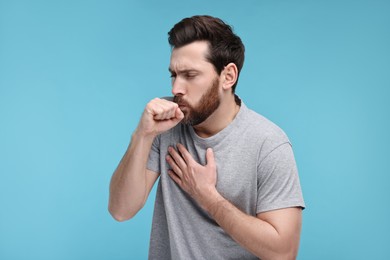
(140, 139)
(212, 200)
(139, 134)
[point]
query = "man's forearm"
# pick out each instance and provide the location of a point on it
(128, 184)
(131, 182)
(256, 235)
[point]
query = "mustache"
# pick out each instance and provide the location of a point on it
(180, 101)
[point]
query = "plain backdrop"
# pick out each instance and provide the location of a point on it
(76, 75)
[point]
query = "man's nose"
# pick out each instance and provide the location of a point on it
(178, 87)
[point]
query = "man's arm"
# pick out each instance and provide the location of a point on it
(270, 235)
(131, 182)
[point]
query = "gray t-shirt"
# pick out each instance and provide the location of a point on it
(256, 172)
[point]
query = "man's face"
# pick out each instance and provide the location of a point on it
(209, 102)
(195, 84)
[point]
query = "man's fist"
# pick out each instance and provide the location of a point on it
(159, 116)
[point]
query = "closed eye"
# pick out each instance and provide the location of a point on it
(187, 74)
(190, 75)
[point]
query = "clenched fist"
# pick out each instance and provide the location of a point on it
(159, 116)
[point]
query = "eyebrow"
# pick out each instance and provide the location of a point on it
(182, 71)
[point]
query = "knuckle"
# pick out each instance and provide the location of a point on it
(159, 110)
(150, 105)
(191, 165)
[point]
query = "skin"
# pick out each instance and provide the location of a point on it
(210, 101)
(269, 235)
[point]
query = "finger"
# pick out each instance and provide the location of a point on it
(154, 108)
(165, 112)
(177, 117)
(174, 166)
(177, 158)
(184, 152)
(175, 177)
(158, 113)
(210, 160)
(170, 108)
(179, 114)
(173, 113)
(162, 109)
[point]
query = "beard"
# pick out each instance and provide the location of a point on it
(209, 102)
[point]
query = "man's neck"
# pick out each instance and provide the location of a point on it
(221, 118)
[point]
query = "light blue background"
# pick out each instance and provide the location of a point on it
(75, 76)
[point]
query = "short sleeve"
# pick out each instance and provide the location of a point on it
(154, 156)
(278, 182)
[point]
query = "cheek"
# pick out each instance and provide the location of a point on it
(201, 86)
(196, 90)
(198, 87)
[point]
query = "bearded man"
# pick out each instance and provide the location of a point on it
(228, 183)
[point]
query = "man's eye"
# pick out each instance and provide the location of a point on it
(190, 76)
(173, 76)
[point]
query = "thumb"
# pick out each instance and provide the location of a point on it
(210, 160)
(179, 114)
(177, 118)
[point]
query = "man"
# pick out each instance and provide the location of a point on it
(228, 187)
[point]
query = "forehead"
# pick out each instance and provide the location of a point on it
(190, 56)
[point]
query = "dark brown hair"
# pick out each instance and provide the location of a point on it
(224, 46)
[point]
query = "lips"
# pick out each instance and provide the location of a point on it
(180, 102)
(182, 106)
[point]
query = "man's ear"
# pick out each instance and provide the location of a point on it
(229, 76)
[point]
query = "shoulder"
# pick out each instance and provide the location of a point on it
(263, 127)
(261, 130)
